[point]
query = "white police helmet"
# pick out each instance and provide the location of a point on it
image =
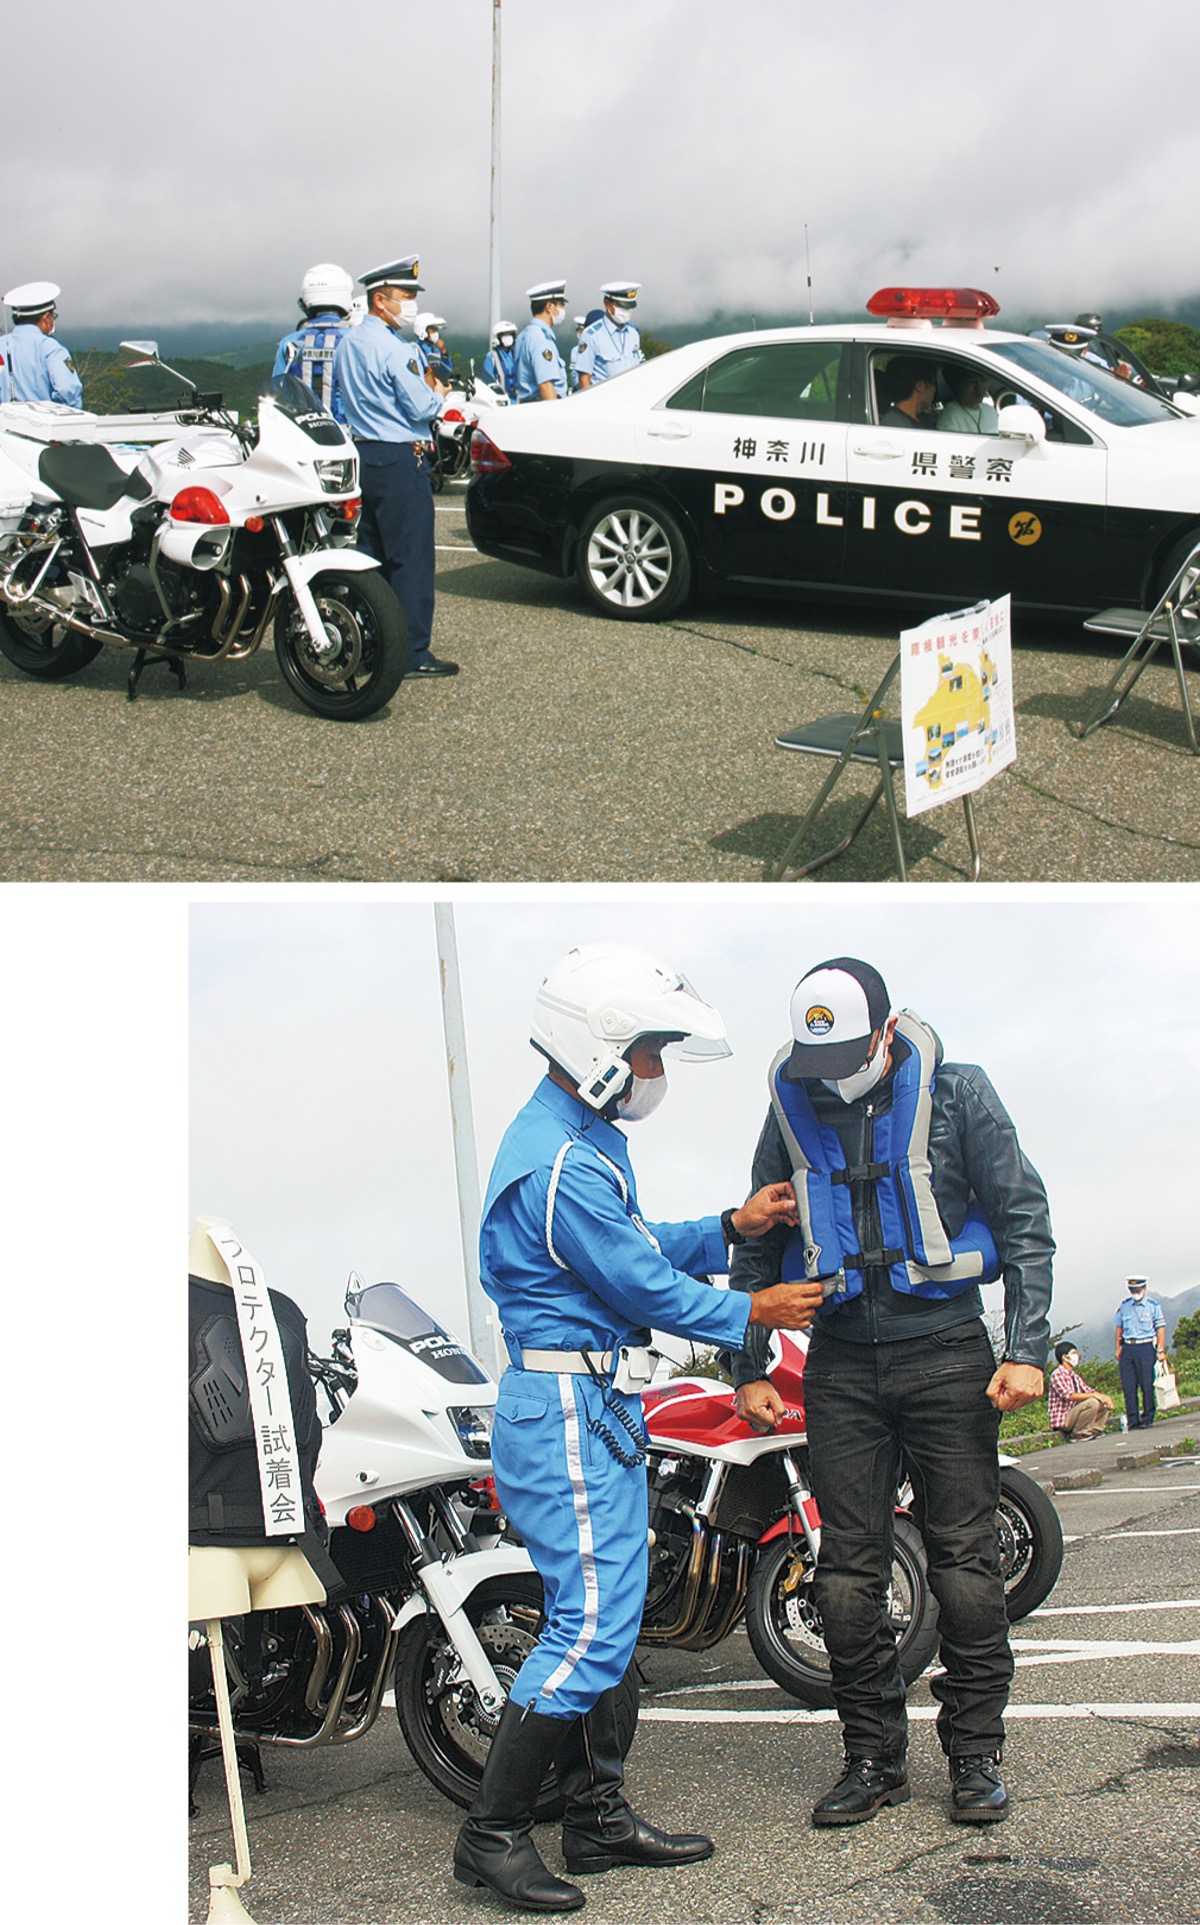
(600, 999)
(420, 322)
(327, 285)
(502, 328)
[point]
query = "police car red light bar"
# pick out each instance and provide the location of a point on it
(198, 504)
(486, 457)
(932, 304)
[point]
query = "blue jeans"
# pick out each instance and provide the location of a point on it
(867, 1404)
(1136, 1365)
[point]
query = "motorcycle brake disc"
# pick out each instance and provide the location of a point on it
(465, 1720)
(334, 665)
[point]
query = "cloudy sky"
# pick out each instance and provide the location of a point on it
(184, 164)
(320, 1122)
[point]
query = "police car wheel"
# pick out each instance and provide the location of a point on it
(444, 1724)
(44, 648)
(633, 561)
(784, 1624)
(364, 655)
(1187, 610)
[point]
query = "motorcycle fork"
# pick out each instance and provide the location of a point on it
(430, 1570)
(801, 1503)
(304, 597)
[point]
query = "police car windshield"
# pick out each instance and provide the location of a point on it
(295, 398)
(1093, 387)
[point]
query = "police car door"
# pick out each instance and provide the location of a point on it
(956, 516)
(754, 447)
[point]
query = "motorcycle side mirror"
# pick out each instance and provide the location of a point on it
(146, 350)
(354, 1288)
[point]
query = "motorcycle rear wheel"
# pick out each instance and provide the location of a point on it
(41, 647)
(444, 1725)
(1031, 1542)
(784, 1624)
(366, 666)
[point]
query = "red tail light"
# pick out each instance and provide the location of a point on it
(932, 304)
(198, 504)
(486, 457)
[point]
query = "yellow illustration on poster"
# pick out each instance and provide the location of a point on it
(956, 703)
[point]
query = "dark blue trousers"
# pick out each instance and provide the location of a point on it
(1137, 1373)
(865, 1403)
(397, 530)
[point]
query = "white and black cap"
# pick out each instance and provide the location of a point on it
(402, 273)
(835, 1011)
(546, 291)
(622, 294)
(1138, 1283)
(32, 299)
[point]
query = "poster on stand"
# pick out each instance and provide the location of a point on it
(956, 703)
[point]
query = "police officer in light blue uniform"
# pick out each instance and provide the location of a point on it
(326, 293)
(391, 401)
(36, 367)
(540, 372)
(1141, 1336)
(581, 353)
(614, 344)
(499, 369)
(580, 1280)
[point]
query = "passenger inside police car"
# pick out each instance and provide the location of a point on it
(971, 409)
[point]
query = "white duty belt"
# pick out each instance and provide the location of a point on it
(633, 1364)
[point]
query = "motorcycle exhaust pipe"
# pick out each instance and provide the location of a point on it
(39, 605)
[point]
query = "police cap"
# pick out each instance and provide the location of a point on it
(546, 291)
(621, 293)
(32, 299)
(402, 273)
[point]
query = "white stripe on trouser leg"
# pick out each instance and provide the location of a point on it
(587, 1555)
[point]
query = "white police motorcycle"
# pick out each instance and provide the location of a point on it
(192, 536)
(437, 1602)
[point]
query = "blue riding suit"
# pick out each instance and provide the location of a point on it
(39, 368)
(309, 353)
(499, 370)
(569, 1262)
(612, 350)
(536, 358)
(390, 408)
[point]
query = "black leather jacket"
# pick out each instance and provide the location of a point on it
(973, 1150)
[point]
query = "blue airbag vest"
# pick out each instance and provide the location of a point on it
(920, 1258)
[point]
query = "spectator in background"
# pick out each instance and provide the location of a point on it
(1074, 1407)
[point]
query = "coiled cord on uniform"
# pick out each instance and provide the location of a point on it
(631, 1460)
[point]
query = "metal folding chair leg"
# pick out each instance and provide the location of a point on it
(1159, 626)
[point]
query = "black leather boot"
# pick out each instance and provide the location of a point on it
(599, 1828)
(977, 1794)
(494, 1847)
(865, 1785)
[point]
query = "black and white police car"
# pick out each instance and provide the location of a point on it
(763, 463)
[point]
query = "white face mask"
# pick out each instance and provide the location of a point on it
(641, 1099)
(620, 316)
(851, 1087)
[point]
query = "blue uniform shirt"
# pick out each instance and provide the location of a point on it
(581, 361)
(1137, 1322)
(309, 353)
(562, 1188)
(536, 359)
(499, 370)
(39, 368)
(381, 379)
(612, 350)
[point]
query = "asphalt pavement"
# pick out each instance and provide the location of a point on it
(1102, 1756)
(574, 748)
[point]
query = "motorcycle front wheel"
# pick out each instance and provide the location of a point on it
(444, 1724)
(366, 645)
(784, 1623)
(1031, 1542)
(41, 647)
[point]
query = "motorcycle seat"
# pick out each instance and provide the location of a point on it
(85, 475)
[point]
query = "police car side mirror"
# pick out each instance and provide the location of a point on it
(1021, 423)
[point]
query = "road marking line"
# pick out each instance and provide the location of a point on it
(1126, 1490)
(1094, 1610)
(1190, 1530)
(920, 1714)
(1105, 1647)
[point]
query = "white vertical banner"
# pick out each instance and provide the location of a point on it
(956, 703)
(270, 1399)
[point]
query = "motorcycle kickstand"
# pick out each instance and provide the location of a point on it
(143, 660)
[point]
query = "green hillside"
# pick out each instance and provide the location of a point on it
(110, 386)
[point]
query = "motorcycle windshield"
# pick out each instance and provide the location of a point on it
(387, 1309)
(295, 398)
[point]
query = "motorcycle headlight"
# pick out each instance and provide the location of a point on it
(336, 477)
(474, 1427)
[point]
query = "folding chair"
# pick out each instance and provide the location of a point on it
(868, 737)
(1149, 632)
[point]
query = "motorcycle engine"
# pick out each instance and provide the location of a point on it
(137, 599)
(675, 1487)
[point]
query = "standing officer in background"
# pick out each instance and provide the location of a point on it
(579, 352)
(499, 369)
(912, 1190)
(434, 352)
(391, 401)
(325, 296)
(541, 375)
(1141, 1338)
(33, 365)
(613, 343)
(581, 1281)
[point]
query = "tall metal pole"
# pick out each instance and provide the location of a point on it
(481, 1315)
(494, 253)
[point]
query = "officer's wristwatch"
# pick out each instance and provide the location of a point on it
(732, 1237)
